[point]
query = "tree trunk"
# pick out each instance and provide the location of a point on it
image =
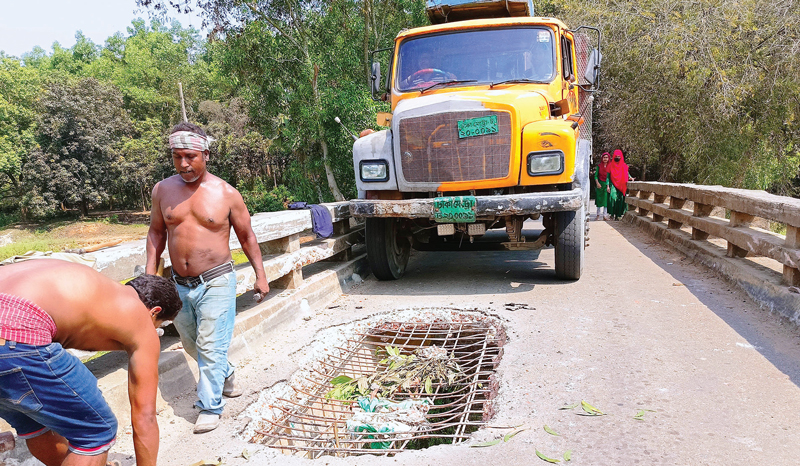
(329, 171)
(337, 195)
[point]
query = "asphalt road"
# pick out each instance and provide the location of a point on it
(643, 329)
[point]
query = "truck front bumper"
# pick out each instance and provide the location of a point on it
(487, 206)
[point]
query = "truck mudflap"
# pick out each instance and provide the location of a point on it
(486, 206)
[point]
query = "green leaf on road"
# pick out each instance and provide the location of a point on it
(549, 460)
(570, 406)
(490, 443)
(550, 431)
(591, 409)
(568, 455)
(514, 432)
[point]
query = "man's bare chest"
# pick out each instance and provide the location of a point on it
(207, 213)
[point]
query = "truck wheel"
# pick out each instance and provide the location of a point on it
(569, 244)
(387, 251)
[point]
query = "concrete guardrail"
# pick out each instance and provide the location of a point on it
(661, 207)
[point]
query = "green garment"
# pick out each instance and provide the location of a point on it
(616, 203)
(601, 193)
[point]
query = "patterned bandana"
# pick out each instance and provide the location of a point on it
(189, 140)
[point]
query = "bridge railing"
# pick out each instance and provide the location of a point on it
(279, 237)
(666, 201)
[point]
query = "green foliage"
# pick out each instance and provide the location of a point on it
(702, 92)
(7, 219)
(259, 198)
(20, 87)
(81, 129)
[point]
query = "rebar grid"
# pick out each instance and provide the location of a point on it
(309, 424)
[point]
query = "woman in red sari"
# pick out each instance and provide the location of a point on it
(618, 172)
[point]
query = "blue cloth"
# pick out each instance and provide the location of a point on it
(321, 222)
(205, 324)
(45, 388)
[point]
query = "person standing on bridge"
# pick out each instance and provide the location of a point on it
(618, 172)
(49, 396)
(195, 211)
(603, 190)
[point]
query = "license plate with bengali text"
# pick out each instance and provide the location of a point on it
(477, 126)
(454, 209)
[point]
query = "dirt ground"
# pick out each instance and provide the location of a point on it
(61, 235)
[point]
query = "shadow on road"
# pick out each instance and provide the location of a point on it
(491, 272)
(774, 337)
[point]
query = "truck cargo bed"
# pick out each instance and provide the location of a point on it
(447, 11)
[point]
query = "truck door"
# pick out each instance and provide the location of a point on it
(568, 90)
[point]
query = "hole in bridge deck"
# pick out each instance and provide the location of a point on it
(427, 383)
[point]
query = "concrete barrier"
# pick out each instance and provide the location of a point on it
(774, 283)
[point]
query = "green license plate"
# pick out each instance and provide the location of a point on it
(456, 209)
(477, 126)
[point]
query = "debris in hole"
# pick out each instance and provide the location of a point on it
(410, 373)
(421, 380)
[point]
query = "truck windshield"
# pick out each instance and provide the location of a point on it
(483, 56)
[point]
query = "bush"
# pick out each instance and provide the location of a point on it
(260, 199)
(7, 219)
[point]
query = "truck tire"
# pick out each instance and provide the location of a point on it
(570, 228)
(387, 250)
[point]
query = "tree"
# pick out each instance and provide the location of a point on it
(20, 87)
(704, 91)
(81, 128)
(294, 57)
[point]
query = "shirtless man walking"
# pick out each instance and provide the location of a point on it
(47, 395)
(193, 213)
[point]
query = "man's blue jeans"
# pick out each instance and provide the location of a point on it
(44, 388)
(205, 325)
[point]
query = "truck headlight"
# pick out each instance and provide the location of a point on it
(545, 163)
(374, 170)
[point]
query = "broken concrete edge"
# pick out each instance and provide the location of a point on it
(772, 296)
(177, 372)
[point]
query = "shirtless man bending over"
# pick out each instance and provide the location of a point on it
(47, 395)
(192, 214)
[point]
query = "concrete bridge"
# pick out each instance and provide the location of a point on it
(682, 331)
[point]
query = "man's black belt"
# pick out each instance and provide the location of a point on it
(206, 276)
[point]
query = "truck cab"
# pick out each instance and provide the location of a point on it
(490, 125)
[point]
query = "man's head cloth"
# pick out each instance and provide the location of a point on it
(189, 140)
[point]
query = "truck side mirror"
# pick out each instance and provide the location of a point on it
(592, 73)
(375, 79)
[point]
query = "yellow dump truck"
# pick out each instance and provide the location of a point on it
(490, 126)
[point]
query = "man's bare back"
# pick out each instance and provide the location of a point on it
(86, 314)
(90, 312)
(197, 221)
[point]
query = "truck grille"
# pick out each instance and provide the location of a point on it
(431, 151)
